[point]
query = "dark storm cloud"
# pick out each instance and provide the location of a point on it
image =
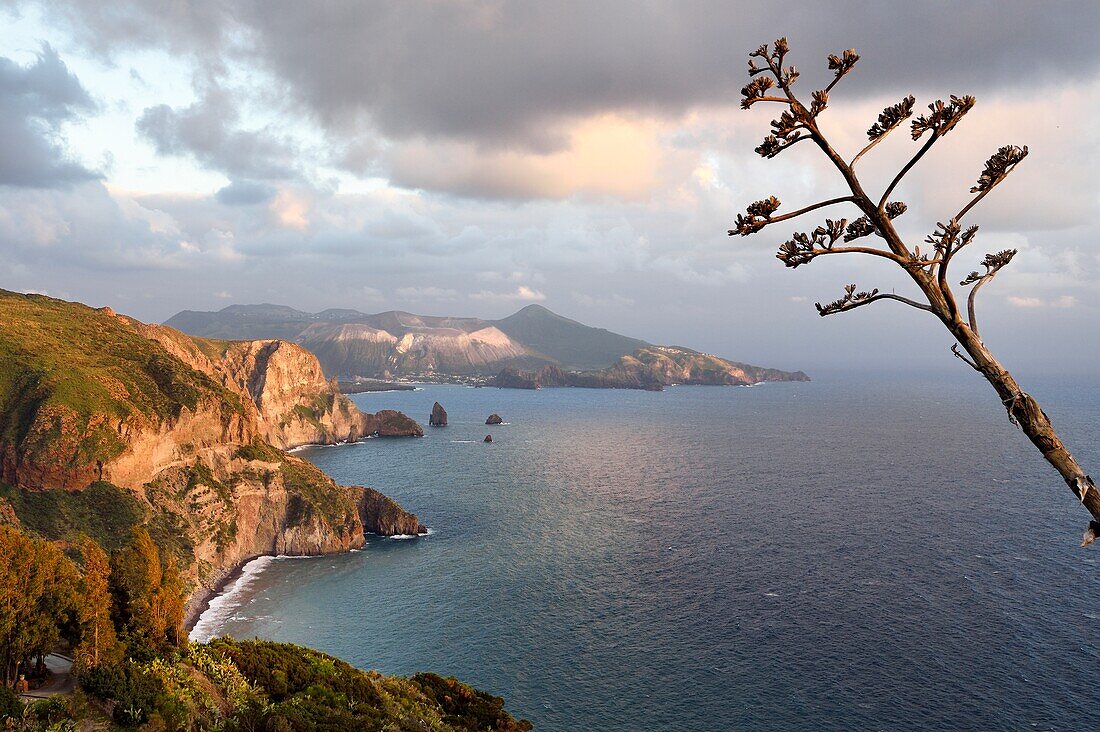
(504, 72)
(207, 130)
(35, 100)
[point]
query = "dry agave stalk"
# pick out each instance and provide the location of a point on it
(772, 83)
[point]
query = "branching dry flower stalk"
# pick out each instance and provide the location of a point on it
(771, 83)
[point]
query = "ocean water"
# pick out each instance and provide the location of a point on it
(849, 553)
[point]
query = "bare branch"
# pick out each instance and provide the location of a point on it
(841, 65)
(958, 354)
(802, 248)
(942, 117)
(753, 92)
(785, 132)
(997, 168)
(993, 264)
(908, 166)
(784, 77)
(820, 102)
(853, 299)
(760, 214)
(948, 239)
(863, 226)
(922, 268)
(888, 120)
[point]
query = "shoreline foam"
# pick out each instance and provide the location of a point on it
(208, 606)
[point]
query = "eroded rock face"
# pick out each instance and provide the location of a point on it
(192, 427)
(295, 404)
(494, 419)
(438, 416)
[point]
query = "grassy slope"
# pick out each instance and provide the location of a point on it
(105, 512)
(76, 363)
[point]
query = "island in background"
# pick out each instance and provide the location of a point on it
(530, 349)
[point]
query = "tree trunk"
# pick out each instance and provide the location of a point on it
(1024, 411)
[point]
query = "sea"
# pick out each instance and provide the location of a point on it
(856, 552)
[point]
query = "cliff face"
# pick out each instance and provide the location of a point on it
(190, 426)
(295, 403)
(234, 503)
(651, 368)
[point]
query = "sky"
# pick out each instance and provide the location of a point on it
(470, 158)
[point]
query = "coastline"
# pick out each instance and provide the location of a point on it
(199, 600)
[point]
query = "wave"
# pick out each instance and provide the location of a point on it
(222, 607)
(402, 537)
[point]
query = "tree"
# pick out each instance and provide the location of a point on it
(97, 633)
(148, 593)
(772, 82)
(136, 575)
(173, 596)
(38, 586)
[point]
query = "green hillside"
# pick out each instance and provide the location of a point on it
(64, 366)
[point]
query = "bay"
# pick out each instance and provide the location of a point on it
(851, 553)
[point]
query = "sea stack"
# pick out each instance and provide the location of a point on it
(438, 417)
(494, 419)
(488, 438)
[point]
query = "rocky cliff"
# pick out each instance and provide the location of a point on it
(189, 427)
(651, 368)
(295, 403)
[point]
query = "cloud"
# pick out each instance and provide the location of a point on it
(510, 72)
(291, 209)
(523, 293)
(1064, 301)
(35, 101)
(245, 193)
(208, 132)
(607, 154)
(426, 293)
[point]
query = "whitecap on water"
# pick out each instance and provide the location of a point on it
(223, 607)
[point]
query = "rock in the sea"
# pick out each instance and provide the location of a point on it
(494, 419)
(438, 417)
(488, 438)
(391, 423)
(381, 515)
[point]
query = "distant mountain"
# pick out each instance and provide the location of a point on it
(392, 344)
(571, 344)
(651, 368)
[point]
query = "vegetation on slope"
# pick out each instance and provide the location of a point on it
(103, 511)
(66, 370)
(121, 614)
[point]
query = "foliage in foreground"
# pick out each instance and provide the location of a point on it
(247, 685)
(121, 616)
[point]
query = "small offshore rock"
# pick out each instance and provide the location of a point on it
(438, 417)
(488, 438)
(494, 419)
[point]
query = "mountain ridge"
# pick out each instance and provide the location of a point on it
(396, 344)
